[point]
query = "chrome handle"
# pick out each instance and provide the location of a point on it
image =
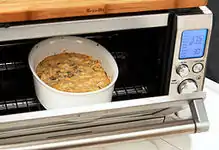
(180, 127)
(143, 127)
(199, 115)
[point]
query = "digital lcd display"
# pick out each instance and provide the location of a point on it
(193, 43)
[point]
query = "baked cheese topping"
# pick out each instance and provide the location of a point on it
(72, 72)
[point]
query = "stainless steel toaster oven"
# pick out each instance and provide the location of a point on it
(161, 57)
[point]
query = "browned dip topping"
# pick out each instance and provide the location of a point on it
(72, 72)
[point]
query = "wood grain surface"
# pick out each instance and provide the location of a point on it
(23, 10)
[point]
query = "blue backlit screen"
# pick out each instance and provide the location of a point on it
(193, 44)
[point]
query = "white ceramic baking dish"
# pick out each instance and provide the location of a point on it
(51, 98)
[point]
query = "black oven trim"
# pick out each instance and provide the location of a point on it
(169, 46)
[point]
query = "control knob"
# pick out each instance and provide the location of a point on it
(187, 86)
(182, 70)
(198, 68)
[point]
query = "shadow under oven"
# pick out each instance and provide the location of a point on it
(157, 78)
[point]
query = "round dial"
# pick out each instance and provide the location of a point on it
(182, 70)
(187, 86)
(197, 68)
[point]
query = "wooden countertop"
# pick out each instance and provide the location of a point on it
(23, 10)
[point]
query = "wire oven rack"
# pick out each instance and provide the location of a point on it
(32, 104)
(29, 104)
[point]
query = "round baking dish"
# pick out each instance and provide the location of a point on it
(51, 98)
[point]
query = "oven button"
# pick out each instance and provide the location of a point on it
(182, 70)
(197, 68)
(187, 86)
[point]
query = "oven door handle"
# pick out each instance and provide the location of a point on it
(137, 129)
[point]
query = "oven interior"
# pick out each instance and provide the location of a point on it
(141, 55)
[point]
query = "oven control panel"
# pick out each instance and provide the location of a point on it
(190, 75)
(190, 53)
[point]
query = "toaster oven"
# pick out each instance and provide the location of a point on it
(161, 57)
